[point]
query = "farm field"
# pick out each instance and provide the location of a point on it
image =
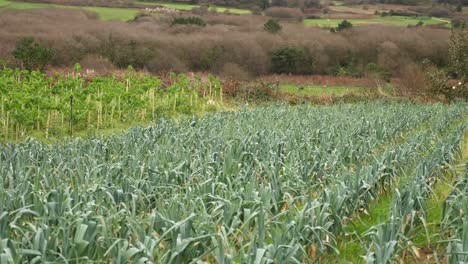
(273, 184)
(388, 20)
(168, 132)
(35, 104)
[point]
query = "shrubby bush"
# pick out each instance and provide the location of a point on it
(97, 63)
(412, 80)
(458, 64)
(234, 71)
(32, 55)
(285, 13)
(188, 21)
(291, 60)
(459, 21)
(272, 26)
(345, 24)
(200, 11)
(436, 10)
(452, 83)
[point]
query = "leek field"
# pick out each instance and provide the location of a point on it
(273, 184)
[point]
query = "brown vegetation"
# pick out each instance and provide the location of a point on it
(412, 81)
(285, 13)
(228, 44)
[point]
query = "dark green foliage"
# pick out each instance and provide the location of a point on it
(272, 26)
(123, 53)
(440, 81)
(32, 55)
(348, 66)
(290, 60)
(256, 92)
(345, 24)
(459, 55)
(397, 13)
(264, 4)
(312, 4)
(279, 3)
(188, 21)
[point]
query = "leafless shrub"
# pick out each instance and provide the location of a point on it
(437, 11)
(200, 11)
(235, 72)
(151, 43)
(412, 80)
(285, 13)
(97, 63)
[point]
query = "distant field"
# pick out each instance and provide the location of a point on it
(105, 13)
(112, 13)
(109, 13)
(318, 90)
(188, 7)
(388, 20)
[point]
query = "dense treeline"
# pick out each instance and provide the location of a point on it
(228, 44)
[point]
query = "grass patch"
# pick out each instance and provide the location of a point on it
(401, 21)
(114, 13)
(351, 250)
(4, 4)
(435, 203)
(318, 90)
(350, 246)
(110, 13)
(104, 13)
(188, 7)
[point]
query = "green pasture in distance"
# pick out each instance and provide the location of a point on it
(114, 13)
(104, 13)
(387, 20)
(111, 13)
(188, 7)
